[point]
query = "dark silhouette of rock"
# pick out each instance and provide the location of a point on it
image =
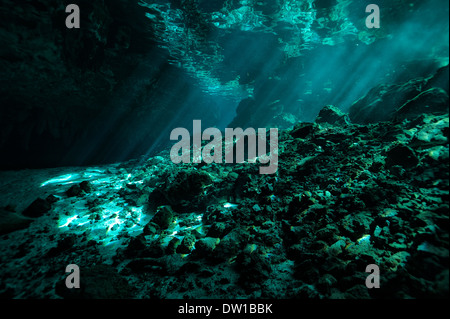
(388, 101)
(434, 100)
(332, 115)
(37, 208)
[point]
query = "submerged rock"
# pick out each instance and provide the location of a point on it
(187, 244)
(181, 189)
(332, 115)
(79, 189)
(401, 155)
(302, 130)
(399, 101)
(205, 246)
(434, 100)
(164, 217)
(37, 208)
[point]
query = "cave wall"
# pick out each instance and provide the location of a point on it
(87, 95)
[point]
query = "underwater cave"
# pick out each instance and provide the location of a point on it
(358, 120)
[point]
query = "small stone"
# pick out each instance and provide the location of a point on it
(206, 245)
(186, 245)
(205, 273)
(172, 246)
(151, 228)
(74, 190)
(233, 175)
(256, 208)
(433, 250)
(398, 259)
(336, 248)
(377, 231)
(327, 234)
(439, 152)
(131, 186)
(164, 217)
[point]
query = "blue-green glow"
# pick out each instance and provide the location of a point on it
(64, 179)
(68, 221)
(229, 205)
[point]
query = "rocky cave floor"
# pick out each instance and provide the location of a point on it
(345, 196)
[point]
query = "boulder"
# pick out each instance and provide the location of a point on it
(187, 244)
(386, 102)
(401, 155)
(302, 130)
(332, 115)
(37, 208)
(164, 217)
(381, 102)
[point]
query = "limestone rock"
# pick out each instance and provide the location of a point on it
(332, 115)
